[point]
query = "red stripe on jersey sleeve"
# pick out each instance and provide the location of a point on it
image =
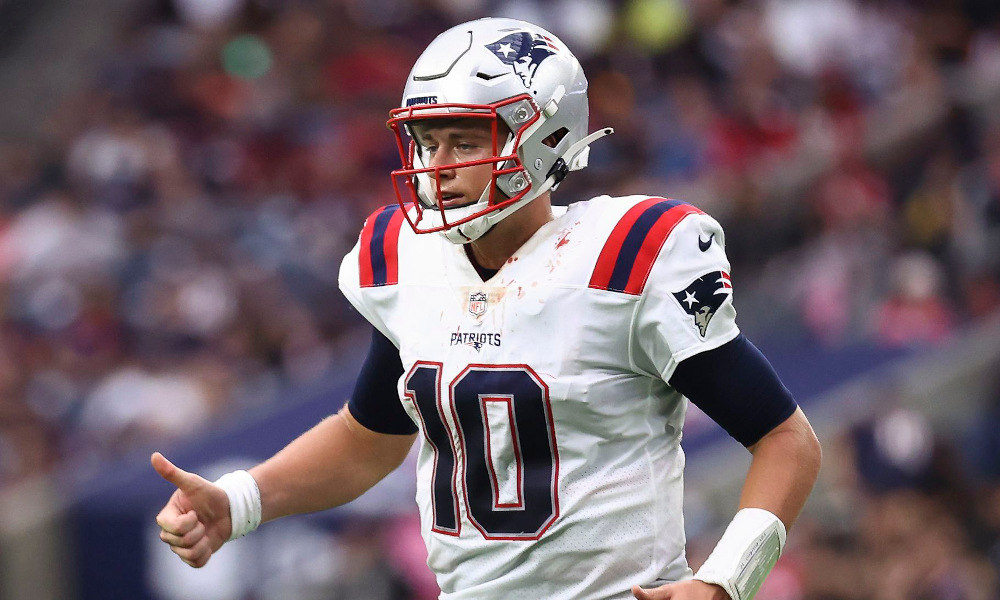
(378, 253)
(364, 250)
(651, 246)
(609, 254)
(391, 248)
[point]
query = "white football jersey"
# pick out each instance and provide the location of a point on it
(550, 463)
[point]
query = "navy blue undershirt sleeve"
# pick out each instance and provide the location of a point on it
(375, 402)
(737, 387)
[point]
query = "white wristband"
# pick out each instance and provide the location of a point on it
(244, 501)
(746, 553)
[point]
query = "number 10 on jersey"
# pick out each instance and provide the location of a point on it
(483, 401)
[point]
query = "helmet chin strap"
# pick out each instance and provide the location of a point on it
(573, 159)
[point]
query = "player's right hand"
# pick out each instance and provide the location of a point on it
(195, 521)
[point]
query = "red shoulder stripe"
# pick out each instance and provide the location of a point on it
(651, 246)
(612, 247)
(628, 255)
(378, 259)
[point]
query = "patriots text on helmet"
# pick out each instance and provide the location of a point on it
(421, 100)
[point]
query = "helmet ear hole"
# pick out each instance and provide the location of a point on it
(554, 138)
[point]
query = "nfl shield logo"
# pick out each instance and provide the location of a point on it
(477, 304)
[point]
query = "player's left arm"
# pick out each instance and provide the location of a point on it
(785, 465)
(685, 330)
(737, 387)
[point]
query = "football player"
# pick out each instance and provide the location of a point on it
(543, 356)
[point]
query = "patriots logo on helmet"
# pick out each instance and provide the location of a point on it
(704, 296)
(523, 52)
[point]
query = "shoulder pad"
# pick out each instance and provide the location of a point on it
(630, 251)
(378, 252)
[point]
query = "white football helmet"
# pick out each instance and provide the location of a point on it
(493, 68)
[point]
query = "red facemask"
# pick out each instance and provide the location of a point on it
(419, 187)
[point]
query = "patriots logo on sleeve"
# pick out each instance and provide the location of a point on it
(523, 52)
(704, 296)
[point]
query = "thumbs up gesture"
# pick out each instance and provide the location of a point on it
(195, 521)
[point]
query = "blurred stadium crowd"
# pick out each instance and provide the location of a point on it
(169, 246)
